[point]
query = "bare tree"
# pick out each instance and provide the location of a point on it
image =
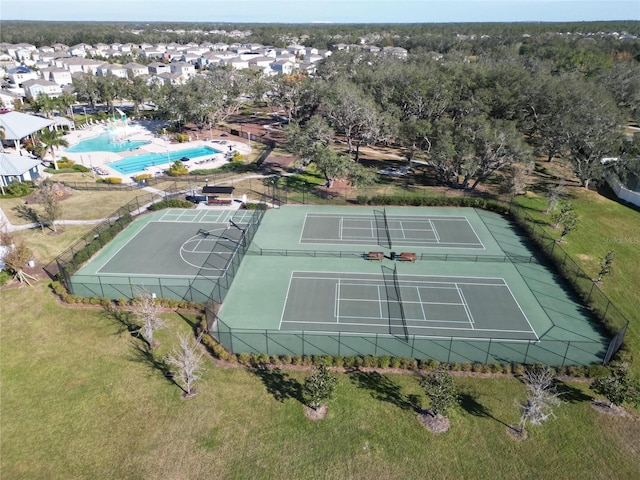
(146, 309)
(16, 257)
(187, 359)
(554, 194)
(520, 177)
(542, 397)
(49, 196)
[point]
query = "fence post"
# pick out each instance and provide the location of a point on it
(486, 360)
(266, 340)
(526, 353)
(375, 347)
(413, 345)
(566, 352)
(450, 347)
(302, 343)
(340, 342)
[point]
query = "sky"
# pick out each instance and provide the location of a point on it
(321, 11)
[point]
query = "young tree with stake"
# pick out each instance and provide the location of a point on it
(319, 386)
(147, 311)
(606, 264)
(542, 398)
(619, 387)
(187, 359)
(441, 390)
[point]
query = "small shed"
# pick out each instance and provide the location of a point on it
(217, 195)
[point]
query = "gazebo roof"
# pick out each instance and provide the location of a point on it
(19, 125)
(12, 165)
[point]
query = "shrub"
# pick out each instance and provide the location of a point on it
(180, 137)
(80, 168)
(172, 203)
(518, 369)
(4, 277)
(286, 359)
(369, 361)
(112, 180)
(338, 361)
(244, 358)
(467, 367)
(18, 189)
(142, 176)
(384, 361)
(297, 360)
(395, 362)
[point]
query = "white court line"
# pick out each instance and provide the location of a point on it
(404, 236)
(284, 304)
(371, 227)
(125, 244)
(521, 311)
(435, 231)
(474, 232)
(336, 301)
(340, 228)
(466, 307)
(379, 300)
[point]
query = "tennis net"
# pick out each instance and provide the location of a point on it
(403, 316)
(386, 225)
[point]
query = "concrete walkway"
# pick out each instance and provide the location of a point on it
(8, 226)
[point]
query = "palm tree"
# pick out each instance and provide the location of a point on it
(51, 139)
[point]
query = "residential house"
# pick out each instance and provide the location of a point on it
(136, 69)
(183, 69)
(156, 68)
(114, 69)
(34, 88)
(8, 99)
(57, 75)
(285, 67)
(20, 74)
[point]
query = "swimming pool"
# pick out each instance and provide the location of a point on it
(105, 143)
(138, 163)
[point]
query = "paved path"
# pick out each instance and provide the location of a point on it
(8, 226)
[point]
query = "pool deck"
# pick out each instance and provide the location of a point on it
(100, 160)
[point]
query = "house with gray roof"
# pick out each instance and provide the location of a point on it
(17, 168)
(34, 88)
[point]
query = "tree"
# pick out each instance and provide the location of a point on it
(331, 164)
(146, 309)
(441, 390)
(554, 194)
(319, 386)
(570, 221)
(187, 359)
(177, 168)
(48, 195)
(606, 264)
(51, 139)
(619, 387)
(542, 397)
(565, 217)
(355, 115)
(16, 257)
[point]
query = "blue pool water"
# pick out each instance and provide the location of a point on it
(103, 143)
(138, 163)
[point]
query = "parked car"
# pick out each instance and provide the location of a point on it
(196, 198)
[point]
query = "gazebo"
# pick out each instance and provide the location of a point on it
(21, 125)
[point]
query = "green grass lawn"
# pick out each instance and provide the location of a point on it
(78, 401)
(605, 224)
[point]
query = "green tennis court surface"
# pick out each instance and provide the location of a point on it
(426, 305)
(171, 252)
(314, 280)
(390, 231)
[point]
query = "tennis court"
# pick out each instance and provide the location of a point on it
(382, 229)
(174, 248)
(474, 290)
(405, 305)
